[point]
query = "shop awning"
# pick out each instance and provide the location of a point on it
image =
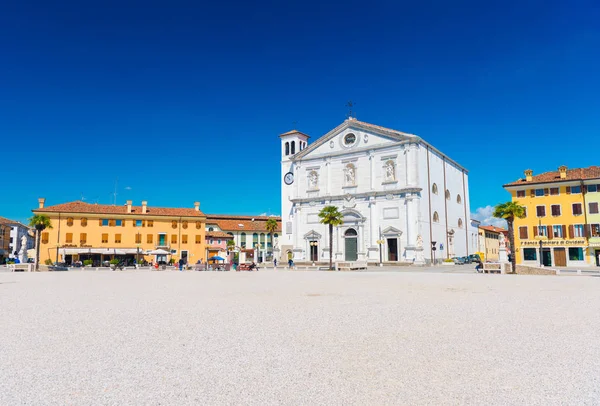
(104, 251)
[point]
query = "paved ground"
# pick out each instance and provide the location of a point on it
(291, 338)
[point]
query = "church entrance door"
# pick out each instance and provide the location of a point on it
(351, 245)
(392, 244)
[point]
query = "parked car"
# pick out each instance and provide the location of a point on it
(474, 258)
(459, 260)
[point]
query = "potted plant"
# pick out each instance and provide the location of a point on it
(88, 263)
(448, 261)
(48, 262)
(113, 263)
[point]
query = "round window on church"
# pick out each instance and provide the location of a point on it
(349, 139)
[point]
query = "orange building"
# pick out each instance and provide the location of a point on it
(83, 231)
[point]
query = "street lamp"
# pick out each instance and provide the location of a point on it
(541, 238)
(380, 243)
(137, 254)
(433, 249)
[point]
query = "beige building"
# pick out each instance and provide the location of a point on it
(489, 242)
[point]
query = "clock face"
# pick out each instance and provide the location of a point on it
(288, 178)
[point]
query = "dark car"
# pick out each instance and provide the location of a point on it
(474, 258)
(459, 260)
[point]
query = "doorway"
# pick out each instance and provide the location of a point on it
(184, 256)
(597, 257)
(560, 257)
(162, 240)
(314, 251)
(392, 244)
(351, 245)
(546, 257)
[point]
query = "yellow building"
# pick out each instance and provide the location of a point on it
(82, 231)
(557, 206)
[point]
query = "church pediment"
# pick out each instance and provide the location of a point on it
(312, 235)
(352, 216)
(353, 135)
(391, 231)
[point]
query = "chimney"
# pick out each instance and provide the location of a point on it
(144, 206)
(528, 175)
(129, 202)
(41, 202)
(197, 206)
(563, 171)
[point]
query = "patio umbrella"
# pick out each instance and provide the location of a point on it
(158, 252)
(216, 258)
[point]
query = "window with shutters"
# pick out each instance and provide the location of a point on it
(184, 238)
(149, 239)
(523, 233)
(540, 211)
(539, 192)
(595, 230)
(198, 239)
(577, 209)
(117, 238)
(554, 191)
(542, 231)
(83, 222)
(104, 238)
(555, 209)
(138, 223)
(593, 208)
(578, 230)
(138, 238)
(82, 238)
(520, 193)
(575, 189)
(243, 240)
(45, 237)
(529, 254)
(69, 238)
(70, 221)
(104, 222)
(111, 223)
(557, 231)
(173, 238)
(576, 254)
(119, 223)
(150, 223)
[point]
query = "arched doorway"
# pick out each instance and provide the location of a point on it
(351, 244)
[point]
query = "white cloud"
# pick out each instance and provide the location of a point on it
(484, 215)
(127, 187)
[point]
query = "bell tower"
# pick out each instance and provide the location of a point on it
(292, 142)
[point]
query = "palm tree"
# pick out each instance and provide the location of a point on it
(331, 216)
(271, 227)
(40, 222)
(509, 211)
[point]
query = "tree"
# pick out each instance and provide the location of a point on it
(271, 227)
(40, 222)
(509, 211)
(331, 216)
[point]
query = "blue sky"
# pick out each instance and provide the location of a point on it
(183, 101)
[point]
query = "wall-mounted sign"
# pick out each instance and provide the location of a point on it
(553, 242)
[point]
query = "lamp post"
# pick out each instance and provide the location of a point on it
(433, 249)
(541, 242)
(57, 247)
(138, 241)
(380, 243)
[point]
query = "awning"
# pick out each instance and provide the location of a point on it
(158, 252)
(104, 251)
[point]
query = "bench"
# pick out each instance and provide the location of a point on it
(492, 267)
(245, 267)
(20, 267)
(351, 266)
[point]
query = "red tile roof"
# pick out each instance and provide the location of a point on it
(248, 223)
(494, 229)
(592, 172)
(83, 207)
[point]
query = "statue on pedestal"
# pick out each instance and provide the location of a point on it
(419, 257)
(23, 250)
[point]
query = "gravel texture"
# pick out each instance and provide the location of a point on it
(264, 338)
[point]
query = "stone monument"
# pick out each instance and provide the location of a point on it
(419, 257)
(23, 250)
(502, 256)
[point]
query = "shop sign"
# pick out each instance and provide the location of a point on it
(553, 242)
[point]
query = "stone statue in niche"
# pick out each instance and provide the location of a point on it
(350, 175)
(313, 180)
(419, 241)
(390, 171)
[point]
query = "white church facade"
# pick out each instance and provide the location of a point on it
(397, 193)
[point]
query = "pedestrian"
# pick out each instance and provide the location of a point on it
(290, 263)
(181, 264)
(275, 262)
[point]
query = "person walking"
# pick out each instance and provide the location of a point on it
(275, 262)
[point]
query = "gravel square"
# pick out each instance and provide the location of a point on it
(290, 338)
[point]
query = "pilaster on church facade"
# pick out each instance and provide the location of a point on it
(380, 179)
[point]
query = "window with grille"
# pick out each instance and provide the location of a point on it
(593, 208)
(540, 211)
(577, 210)
(555, 209)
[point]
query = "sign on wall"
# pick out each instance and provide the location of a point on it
(553, 242)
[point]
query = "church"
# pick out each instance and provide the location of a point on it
(402, 200)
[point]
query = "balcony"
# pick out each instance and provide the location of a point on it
(163, 246)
